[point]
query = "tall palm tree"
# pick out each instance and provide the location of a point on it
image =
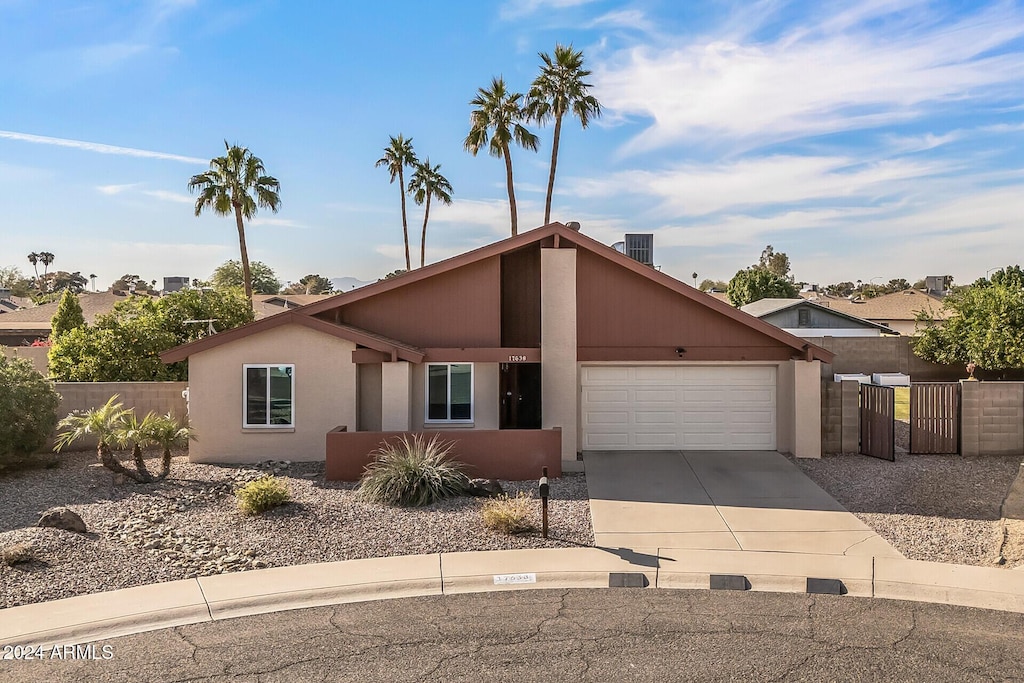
(427, 182)
(33, 258)
(497, 117)
(557, 91)
(237, 183)
(397, 156)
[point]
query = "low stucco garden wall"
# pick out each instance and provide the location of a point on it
(510, 454)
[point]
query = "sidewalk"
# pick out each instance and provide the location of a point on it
(164, 605)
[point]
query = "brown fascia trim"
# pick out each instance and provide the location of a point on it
(461, 355)
(403, 351)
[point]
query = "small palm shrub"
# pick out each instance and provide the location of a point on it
(412, 472)
(18, 553)
(508, 515)
(258, 496)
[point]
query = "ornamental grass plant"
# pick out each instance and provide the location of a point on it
(413, 472)
(510, 515)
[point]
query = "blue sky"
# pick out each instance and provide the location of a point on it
(868, 139)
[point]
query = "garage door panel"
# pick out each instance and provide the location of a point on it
(655, 417)
(675, 407)
(597, 417)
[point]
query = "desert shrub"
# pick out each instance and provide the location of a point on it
(18, 553)
(412, 472)
(258, 496)
(508, 515)
(28, 410)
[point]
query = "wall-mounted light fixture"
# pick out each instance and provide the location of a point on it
(680, 351)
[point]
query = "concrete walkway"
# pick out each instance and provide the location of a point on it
(719, 500)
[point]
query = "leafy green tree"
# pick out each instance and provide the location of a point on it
(707, 285)
(10, 276)
(557, 91)
(776, 263)
(68, 315)
(397, 155)
(986, 326)
(263, 279)
(124, 345)
(427, 182)
(237, 183)
(58, 281)
(394, 273)
(497, 123)
(28, 410)
(313, 283)
(754, 284)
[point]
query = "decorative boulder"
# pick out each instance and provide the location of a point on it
(62, 518)
(484, 488)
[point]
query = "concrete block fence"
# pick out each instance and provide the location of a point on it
(991, 417)
(143, 397)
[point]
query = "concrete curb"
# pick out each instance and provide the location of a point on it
(164, 605)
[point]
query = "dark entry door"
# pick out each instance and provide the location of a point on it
(519, 389)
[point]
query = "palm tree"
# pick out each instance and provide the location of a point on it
(237, 182)
(166, 432)
(103, 423)
(33, 258)
(498, 117)
(46, 258)
(427, 182)
(557, 91)
(397, 156)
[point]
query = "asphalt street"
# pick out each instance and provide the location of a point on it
(569, 635)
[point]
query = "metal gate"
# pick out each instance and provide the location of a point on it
(877, 415)
(935, 418)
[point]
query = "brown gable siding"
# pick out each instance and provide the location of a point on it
(457, 308)
(624, 314)
(520, 297)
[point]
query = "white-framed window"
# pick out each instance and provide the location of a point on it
(268, 395)
(449, 392)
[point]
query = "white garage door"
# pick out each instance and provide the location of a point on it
(676, 407)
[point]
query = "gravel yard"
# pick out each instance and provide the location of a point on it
(189, 525)
(942, 508)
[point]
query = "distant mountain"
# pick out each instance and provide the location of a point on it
(345, 284)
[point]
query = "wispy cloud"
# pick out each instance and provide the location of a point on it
(276, 222)
(836, 76)
(626, 18)
(99, 147)
(115, 189)
(769, 183)
(168, 196)
(517, 9)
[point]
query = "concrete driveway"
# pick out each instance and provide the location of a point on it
(719, 500)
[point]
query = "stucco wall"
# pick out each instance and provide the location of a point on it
(325, 396)
(37, 355)
(559, 377)
(369, 397)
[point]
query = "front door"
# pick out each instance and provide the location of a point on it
(519, 389)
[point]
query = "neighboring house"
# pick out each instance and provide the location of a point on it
(21, 328)
(542, 331)
(805, 318)
(897, 311)
(272, 304)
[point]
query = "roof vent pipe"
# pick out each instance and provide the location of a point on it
(573, 225)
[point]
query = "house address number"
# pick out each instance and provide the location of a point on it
(516, 359)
